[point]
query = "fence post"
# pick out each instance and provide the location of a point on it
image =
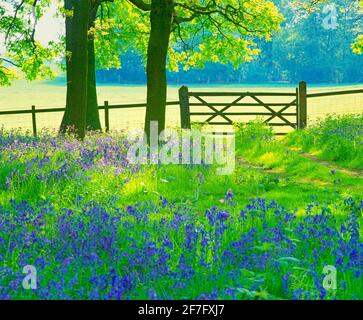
(34, 121)
(297, 108)
(107, 117)
(184, 107)
(302, 110)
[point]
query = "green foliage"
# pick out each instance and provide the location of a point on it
(218, 39)
(296, 174)
(252, 131)
(335, 138)
(116, 219)
(306, 49)
(358, 45)
(18, 23)
(6, 75)
(108, 43)
(201, 38)
(302, 49)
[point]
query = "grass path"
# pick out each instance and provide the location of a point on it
(281, 173)
(350, 172)
(297, 175)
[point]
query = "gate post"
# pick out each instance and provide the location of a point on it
(302, 117)
(34, 121)
(107, 117)
(184, 107)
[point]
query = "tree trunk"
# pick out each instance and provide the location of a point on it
(161, 20)
(68, 5)
(79, 76)
(73, 47)
(93, 117)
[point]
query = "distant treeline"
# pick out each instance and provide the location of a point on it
(315, 48)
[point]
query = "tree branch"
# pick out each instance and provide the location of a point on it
(10, 62)
(18, 7)
(141, 4)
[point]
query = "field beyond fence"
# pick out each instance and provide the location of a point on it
(283, 109)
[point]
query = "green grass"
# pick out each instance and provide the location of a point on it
(336, 138)
(43, 94)
(110, 201)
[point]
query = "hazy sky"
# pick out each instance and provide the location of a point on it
(50, 27)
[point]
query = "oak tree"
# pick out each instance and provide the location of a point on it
(81, 103)
(21, 48)
(189, 33)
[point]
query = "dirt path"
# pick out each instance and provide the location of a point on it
(356, 173)
(282, 174)
(261, 168)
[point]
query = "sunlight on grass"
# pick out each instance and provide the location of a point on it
(81, 211)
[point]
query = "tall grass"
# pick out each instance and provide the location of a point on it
(97, 227)
(334, 138)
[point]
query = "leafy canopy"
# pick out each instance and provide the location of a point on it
(223, 31)
(18, 23)
(358, 45)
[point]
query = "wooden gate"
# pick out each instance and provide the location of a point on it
(269, 105)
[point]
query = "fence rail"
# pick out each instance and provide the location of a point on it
(334, 93)
(106, 107)
(272, 110)
(188, 101)
(237, 94)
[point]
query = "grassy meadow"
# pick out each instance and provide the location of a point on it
(264, 205)
(43, 94)
(97, 227)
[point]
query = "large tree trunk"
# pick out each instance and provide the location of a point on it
(68, 5)
(79, 76)
(161, 20)
(93, 117)
(73, 49)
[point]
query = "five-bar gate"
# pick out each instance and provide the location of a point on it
(278, 109)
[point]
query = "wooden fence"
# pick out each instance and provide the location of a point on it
(273, 110)
(106, 107)
(295, 107)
